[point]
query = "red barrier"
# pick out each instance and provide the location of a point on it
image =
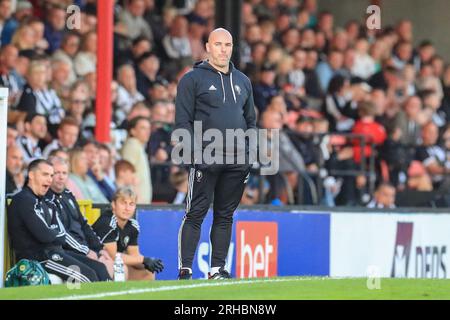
(105, 14)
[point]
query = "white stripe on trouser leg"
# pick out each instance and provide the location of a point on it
(67, 271)
(180, 262)
(191, 186)
(64, 272)
(78, 274)
(188, 207)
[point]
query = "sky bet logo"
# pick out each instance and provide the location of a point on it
(256, 249)
(402, 249)
(428, 261)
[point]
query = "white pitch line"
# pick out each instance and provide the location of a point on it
(174, 288)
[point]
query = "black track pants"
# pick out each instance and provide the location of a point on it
(69, 265)
(223, 183)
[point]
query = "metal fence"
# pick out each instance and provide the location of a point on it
(308, 179)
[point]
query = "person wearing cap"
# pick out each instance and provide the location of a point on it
(265, 89)
(35, 130)
(219, 96)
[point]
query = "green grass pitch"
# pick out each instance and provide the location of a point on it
(286, 288)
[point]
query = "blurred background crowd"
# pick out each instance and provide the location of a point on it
(363, 114)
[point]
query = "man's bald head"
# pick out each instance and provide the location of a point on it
(219, 48)
(219, 32)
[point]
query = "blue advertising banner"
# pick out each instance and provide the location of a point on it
(263, 243)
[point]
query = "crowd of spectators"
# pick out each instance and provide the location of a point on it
(355, 107)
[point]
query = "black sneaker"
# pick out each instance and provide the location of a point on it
(222, 274)
(185, 274)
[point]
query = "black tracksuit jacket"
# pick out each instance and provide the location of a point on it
(219, 100)
(80, 237)
(34, 227)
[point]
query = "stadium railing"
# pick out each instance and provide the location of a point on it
(312, 180)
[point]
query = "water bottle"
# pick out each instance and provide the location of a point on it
(119, 269)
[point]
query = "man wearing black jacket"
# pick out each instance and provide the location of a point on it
(220, 97)
(80, 238)
(36, 231)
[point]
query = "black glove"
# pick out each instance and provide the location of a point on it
(153, 265)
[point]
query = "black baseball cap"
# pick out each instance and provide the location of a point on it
(144, 56)
(160, 82)
(27, 53)
(90, 9)
(267, 66)
(197, 19)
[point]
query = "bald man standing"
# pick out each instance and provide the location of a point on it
(219, 96)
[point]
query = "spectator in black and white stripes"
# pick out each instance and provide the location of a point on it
(35, 130)
(38, 98)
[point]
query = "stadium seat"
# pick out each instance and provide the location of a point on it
(91, 214)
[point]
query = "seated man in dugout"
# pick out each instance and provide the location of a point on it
(80, 238)
(36, 231)
(119, 233)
